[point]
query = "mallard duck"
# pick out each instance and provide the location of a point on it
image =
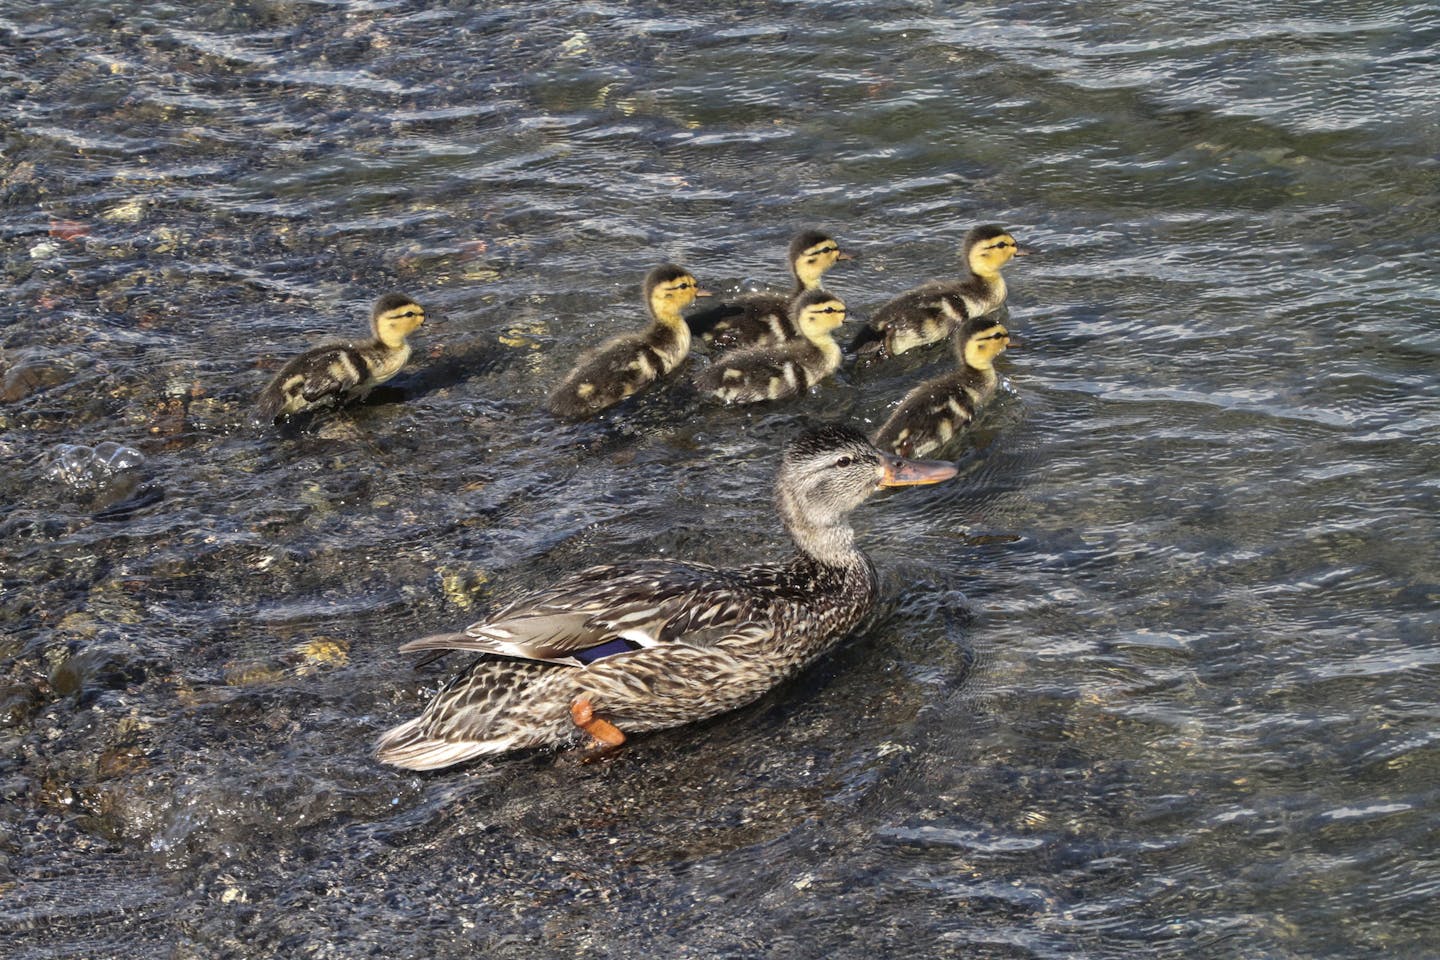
(763, 319)
(932, 413)
(340, 373)
(752, 374)
(629, 647)
(930, 312)
(628, 363)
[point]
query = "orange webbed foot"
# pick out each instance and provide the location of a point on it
(605, 734)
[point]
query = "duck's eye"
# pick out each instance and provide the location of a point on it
(844, 461)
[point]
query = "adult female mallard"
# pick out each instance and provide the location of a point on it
(936, 410)
(753, 374)
(764, 319)
(931, 312)
(340, 373)
(626, 364)
(630, 647)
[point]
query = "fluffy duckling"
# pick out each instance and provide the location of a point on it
(628, 363)
(932, 413)
(930, 312)
(340, 373)
(763, 319)
(645, 645)
(752, 374)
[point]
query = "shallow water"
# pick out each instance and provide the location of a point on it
(1155, 678)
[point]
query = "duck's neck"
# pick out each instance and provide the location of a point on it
(828, 546)
(989, 277)
(387, 334)
(670, 320)
(808, 280)
(828, 543)
(825, 343)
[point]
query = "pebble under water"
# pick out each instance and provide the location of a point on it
(1156, 677)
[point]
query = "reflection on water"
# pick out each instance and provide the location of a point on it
(1153, 678)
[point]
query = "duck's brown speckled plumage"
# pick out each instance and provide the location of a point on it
(627, 364)
(930, 312)
(341, 373)
(658, 643)
(764, 319)
(933, 413)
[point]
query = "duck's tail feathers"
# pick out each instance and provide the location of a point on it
(408, 746)
(440, 641)
(267, 408)
(869, 340)
(703, 322)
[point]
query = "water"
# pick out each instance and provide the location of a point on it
(1155, 678)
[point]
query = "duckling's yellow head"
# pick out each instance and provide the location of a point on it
(670, 289)
(394, 317)
(989, 248)
(816, 313)
(981, 341)
(811, 254)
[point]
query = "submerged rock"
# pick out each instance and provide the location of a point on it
(30, 377)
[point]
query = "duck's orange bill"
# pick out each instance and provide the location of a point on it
(900, 472)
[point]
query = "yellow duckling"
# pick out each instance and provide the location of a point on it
(340, 373)
(752, 374)
(763, 319)
(931, 312)
(934, 412)
(628, 363)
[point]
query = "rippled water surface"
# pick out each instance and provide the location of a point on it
(1157, 677)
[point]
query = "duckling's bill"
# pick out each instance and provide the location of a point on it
(900, 472)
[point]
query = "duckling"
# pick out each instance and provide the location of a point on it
(628, 363)
(763, 319)
(644, 645)
(932, 413)
(930, 312)
(340, 373)
(752, 374)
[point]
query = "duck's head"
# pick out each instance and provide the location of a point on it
(670, 289)
(989, 248)
(816, 313)
(394, 317)
(978, 342)
(811, 254)
(826, 473)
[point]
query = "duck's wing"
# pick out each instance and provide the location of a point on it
(315, 377)
(617, 609)
(757, 318)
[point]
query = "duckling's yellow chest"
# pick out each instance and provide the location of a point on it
(383, 363)
(671, 343)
